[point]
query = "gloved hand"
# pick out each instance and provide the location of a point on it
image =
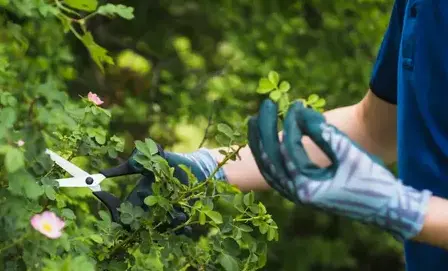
(356, 185)
(201, 163)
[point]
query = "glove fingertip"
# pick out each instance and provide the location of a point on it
(255, 145)
(312, 124)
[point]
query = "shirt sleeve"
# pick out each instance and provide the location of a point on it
(383, 81)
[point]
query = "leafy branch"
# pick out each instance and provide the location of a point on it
(69, 14)
(278, 92)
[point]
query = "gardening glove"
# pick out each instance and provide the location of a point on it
(356, 185)
(201, 164)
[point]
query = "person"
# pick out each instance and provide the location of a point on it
(332, 161)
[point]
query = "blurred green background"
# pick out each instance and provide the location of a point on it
(181, 63)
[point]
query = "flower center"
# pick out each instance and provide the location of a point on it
(47, 227)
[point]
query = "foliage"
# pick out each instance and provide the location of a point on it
(184, 74)
(44, 116)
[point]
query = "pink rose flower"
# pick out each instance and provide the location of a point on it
(94, 98)
(48, 224)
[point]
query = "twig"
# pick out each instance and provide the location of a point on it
(125, 241)
(31, 107)
(15, 242)
(209, 124)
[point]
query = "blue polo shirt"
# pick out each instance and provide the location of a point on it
(411, 71)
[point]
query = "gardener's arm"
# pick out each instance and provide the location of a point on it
(435, 227)
(371, 123)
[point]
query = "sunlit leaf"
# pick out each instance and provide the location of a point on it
(86, 5)
(121, 10)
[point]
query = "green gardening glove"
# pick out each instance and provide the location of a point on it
(356, 185)
(200, 162)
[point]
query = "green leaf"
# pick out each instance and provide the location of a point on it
(151, 200)
(97, 238)
(319, 103)
(164, 203)
(225, 129)
(105, 216)
(253, 258)
(49, 192)
(254, 209)
(264, 86)
(263, 228)
(68, 214)
(86, 5)
(98, 53)
(22, 183)
(148, 148)
(238, 199)
(14, 160)
(111, 10)
(283, 104)
(192, 179)
(8, 117)
(126, 218)
(274, 78)
(284, 87)
(237, 233)
(215, 216)
(249, 199)
(105, 111)
(238, 202)
(245, 228)
(202, 218)
(222, 139)
(228, 262)
(272, 233)
(313, 98)
(275, 95)
(262, 208)
(126, 208)
(231, 247)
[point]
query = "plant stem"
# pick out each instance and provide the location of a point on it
(209, 124)
(125, 241)
(188, 222)
(15, 242)
(220, 164)
(248, 219)
(223, 162)
(62, 7)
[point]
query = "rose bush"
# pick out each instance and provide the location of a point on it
(46, 227)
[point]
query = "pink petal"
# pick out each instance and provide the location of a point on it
(49, 216)
(59, 224)
(39, 220)
(53, 234)
(94, 98)
(35, 221)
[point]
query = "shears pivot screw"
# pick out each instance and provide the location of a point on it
(89, 180)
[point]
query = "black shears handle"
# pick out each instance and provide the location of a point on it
(139, 193)
(129, 167)
(112, 203)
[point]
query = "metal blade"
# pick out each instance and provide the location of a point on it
(66, 165)
(90, 181)
(72, 182)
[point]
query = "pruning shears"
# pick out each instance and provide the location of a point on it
(82, 178)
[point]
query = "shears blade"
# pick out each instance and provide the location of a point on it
(66, 165)
(91, 181)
